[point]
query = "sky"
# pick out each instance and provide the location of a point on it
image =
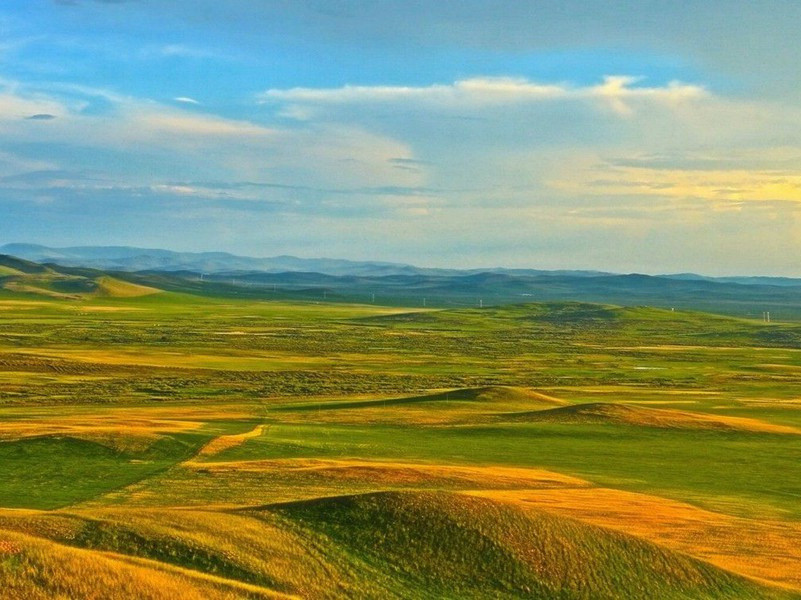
(619, 135)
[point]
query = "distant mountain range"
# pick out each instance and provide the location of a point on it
(124, 258)
(76, 273)
(132, 259)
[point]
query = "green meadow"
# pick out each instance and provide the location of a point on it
(176, 446)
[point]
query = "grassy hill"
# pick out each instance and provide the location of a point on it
(52, 281)
(379, 545)
(455, 546)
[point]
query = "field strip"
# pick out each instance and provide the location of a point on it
(767, 550)
(385, 472)
(224, 442)
(143, 357)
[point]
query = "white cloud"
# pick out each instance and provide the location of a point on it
(478, 90)
(616, 91)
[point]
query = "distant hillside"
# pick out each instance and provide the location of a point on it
(414, 288)
(492, 288)
(124, 258)
(51, 281)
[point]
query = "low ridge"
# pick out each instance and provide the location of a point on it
(607, 412)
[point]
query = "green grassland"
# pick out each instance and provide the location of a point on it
(165, 445)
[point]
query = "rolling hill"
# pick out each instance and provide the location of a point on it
(29, 278)
(375, 545)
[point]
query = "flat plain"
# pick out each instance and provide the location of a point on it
(164, 445)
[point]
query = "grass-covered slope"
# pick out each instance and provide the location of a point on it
(37, 569)
(116, 288)
(486, 398)
(607, 412)
(444, 545)
(380, 545)
(53, 471)
(51, 281)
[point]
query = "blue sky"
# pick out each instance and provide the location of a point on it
(617, 135)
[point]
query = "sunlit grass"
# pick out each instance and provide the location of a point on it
(147, 420)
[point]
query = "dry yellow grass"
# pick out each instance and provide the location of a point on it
(258, 482)
(130, 429)
(111, 309)
(156, 418)
(224, 442)
(38, 569)
(651, 417)
(382, 473)
(664, 417)
(116, 288)
(764, 549)
(113, 431)
(24, 304)
(235, 360)
(258, 550)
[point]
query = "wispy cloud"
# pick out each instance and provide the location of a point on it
(157, 139)
(616, 91)
(186, 100)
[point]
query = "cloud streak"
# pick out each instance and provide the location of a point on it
(729, 186)
(615, 91)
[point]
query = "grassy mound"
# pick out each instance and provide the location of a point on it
(454, 546)
(111, 287)
(499, 394)
(494, 395)
(604, 412)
